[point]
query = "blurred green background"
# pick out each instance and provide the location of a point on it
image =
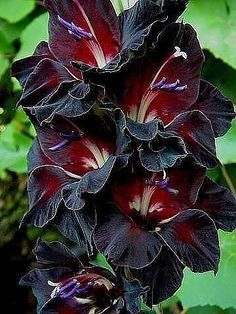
(23, 23)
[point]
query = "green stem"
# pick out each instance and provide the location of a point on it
(228, 180)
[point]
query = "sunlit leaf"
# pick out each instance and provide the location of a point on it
(215, 22)
(206, 289)
(14, 10)
(32, 35)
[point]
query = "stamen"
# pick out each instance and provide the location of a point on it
(179, 53)
(70, 294)
(171, 87)
(68, 137)
(69, 285)
(163, 184)
(159, 84)
(75, 30)
(60, 146)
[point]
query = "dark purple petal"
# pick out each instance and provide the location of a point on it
(122, 241)
(217, 108)
(43, 82)
(219, 204)
(38, 279)
(164, 276)
(45, 195)
(193, 237)
(197, 132)
(78, 225)
(97, 17)
(21, 69)
(132, 293)
(163, 152)
(55, 254)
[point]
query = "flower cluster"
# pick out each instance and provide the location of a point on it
(126, 130)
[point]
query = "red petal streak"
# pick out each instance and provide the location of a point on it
(96, 17)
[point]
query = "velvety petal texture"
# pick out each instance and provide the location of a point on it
(76, 288)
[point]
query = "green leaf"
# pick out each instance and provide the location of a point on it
(207, 289)
(226, 146)
(210, 310)
(14, 10)
(32, 35)
(4, 64)
(14, 145)
(215, 22)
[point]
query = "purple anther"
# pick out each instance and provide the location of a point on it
(60, 146)
(71, 284)
(86, 289)
(64, 22)
(158, 85)
(181, 88)
(71, 294)
(171, 86)
(162, 184)
(75, 30)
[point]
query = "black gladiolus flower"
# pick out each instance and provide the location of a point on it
(67, 162)
(90, 33)
(50, 88)
(164, 100)
(181, 210)
(66, 286)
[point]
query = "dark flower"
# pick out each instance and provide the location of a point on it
(50, 88)
(67, 161)
(91, 33)
(65, 286)
(181, 210)
(162, 97)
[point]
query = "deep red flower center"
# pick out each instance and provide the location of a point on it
(149, 202)
(89, 290)
(143, 112)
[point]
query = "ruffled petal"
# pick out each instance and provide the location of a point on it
(219, 204)
(193, 237)
(123, 242)
(198, 135)
(216, 107)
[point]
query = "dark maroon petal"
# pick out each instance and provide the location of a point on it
(67, 223)
(36, 157)
(67, 145)
(43, 82)
(96, 17)
(21, 69)
(45, 195)
(38, 279)
(193, 237)
(132, 293)
(70, 100)
(55, 254)
(164, 276)
(187, 182)
(197, 132)
(163, 152)
(123, 242)
(219, 204)
(133, 88)
(217, 108)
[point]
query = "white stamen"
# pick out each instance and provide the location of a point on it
(180, 53)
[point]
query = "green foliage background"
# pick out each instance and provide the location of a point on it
(23, 23)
